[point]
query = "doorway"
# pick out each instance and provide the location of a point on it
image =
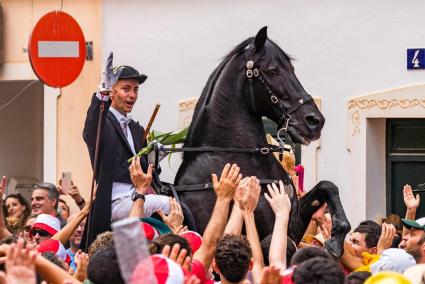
(405, 162)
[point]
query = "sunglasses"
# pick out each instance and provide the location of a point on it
(41, 233)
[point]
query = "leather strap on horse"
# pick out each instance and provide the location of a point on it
(199, 187)
(264, 150)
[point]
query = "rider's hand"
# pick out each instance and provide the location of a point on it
(278, 199)
(229, 181)
(411, 202)
(109, 77)
(140, 179)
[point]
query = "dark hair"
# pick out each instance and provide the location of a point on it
(23, 201)
(161, 241)
(308, 253)
(265, 247)
(53, 258)
(372, 231)
(357, 277)
(51, 188)
(64, 202)
(102, 241)
(318, 270)
(233, 257)
(104, 268)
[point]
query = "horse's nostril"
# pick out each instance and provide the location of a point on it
(312, 120)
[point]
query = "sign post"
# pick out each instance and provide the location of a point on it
(57, 49)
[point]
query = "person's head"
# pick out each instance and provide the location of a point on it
(308, 253)
(365, 238)
(125, 91)
(232, 258)
(17, 206)
(44, 199)
(415, 243)
(53, 258)
(358, 277)
(318, 270)
(63, 209)
(161, 241)
(29, 222)
(395, 220)
(104, 268)
(291, 249)
(75, 238)
(104, 240)
(45, 226)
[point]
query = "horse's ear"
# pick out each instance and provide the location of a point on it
(260, 38)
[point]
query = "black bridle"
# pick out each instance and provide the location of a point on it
(253, 72)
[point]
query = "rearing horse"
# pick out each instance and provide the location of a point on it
(256, 79)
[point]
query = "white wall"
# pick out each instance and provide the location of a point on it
(342, 49)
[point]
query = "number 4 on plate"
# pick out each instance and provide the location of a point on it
(415, 58)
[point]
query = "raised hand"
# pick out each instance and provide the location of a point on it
(278, 199)
(387, 236)
(140, 179)
(251, 195)
(178, 255)
(410, 200)
(229, 181)
(2, 188)
(270, 275)
(174, 220)
(20, 265)
(74, 192)
(109, 75)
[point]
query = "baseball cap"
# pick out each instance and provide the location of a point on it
(418, 224)
(47, 223)
(55, 247)
(387, 277)
(194, 239)
(164, 271)
(150, 232)
(393, 259)
(128, 72)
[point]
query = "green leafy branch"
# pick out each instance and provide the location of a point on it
(167, 139)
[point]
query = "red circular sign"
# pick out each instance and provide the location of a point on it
(57, 49)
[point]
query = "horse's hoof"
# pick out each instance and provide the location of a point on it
(334, 248)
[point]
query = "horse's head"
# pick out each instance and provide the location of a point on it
(276, 93)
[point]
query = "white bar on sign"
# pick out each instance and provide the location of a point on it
(58, 49)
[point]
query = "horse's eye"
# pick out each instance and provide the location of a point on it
(273, 71)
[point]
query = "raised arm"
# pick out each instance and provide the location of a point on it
(235, 223)
(281, 206)
(412, 204)
(141, 182)
(224, 190)
(249, 204)
(65, 233)
(4, 233)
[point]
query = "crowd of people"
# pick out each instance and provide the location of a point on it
(129, 234)
(39, 244)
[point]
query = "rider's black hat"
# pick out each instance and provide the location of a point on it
(128, 72)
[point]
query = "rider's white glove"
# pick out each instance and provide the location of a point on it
(109, 75)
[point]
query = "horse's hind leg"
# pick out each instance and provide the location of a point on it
(324, 191)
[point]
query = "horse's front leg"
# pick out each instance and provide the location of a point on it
(326, 191)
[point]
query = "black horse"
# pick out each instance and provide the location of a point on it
(256, 79)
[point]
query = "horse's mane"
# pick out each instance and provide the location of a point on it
(272, 51)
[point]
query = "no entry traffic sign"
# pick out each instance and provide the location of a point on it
(57, 49)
